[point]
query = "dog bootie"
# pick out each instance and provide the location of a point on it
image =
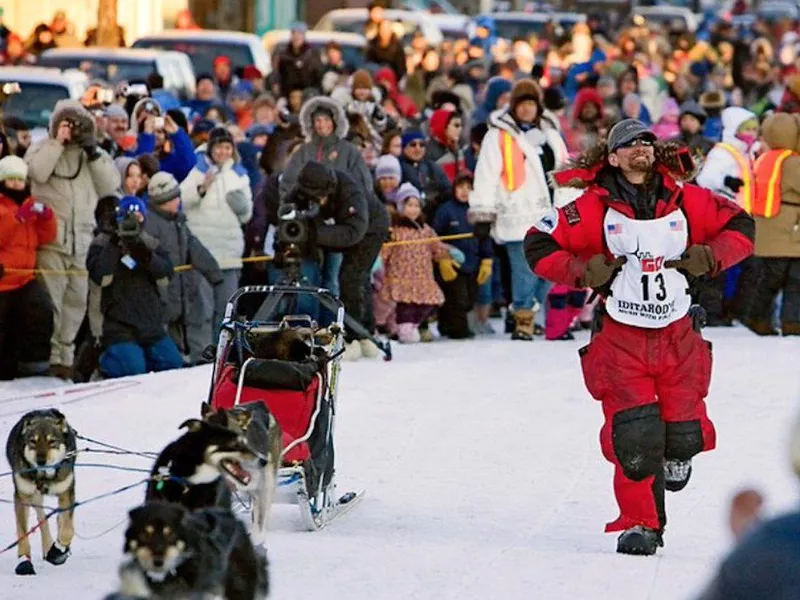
(639, 541)
(368, 349)
(407, 333)
(58, 554)
(677, 474)
(25, 566)
(352, 351)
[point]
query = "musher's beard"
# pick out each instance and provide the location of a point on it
(641, 162)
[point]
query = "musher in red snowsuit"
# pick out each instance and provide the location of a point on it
(638, 236)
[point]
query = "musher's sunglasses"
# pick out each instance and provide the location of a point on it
(638, 142)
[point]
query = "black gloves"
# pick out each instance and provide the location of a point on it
(91, 148)
(733, 183)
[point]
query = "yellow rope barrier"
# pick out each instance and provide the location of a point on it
(232, 263)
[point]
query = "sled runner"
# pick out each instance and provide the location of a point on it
(291, 364)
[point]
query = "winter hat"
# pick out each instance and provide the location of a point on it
(243, 90)
(388, 166)
(412, 135)
(626, 131)
(259, 129)
(203, 126)
(298, 26)
(554, 99)
(13, 167)
(251, 72)
(115, 111)
(713, 99)
(406, 191)
(128, 205)
(219, 135)
(316, 179)
(690, 107)
(361, 80)
(162, 188)
(525, 89)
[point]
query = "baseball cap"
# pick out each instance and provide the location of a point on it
(627, 130)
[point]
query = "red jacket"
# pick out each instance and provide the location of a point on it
(19, 241)
(561, 256)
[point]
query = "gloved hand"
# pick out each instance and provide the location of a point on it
(600, 269)
(91, 148)
(448, 268)
(457, 255)
(697, 260)
(484, 271)
(733, 183)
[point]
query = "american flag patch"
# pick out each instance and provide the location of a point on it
(676, 225)
(614, 228)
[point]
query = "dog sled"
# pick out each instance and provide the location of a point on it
(287, 361)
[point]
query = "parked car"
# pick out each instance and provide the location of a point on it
(521, 25)
(352, 20)
(40, 89)
(675, 17)
(202, 46)
(126, 64)
(352, 44)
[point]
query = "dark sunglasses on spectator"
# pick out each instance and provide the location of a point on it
(416, 144)
(638, 142)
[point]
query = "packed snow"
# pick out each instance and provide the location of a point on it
(483, 473)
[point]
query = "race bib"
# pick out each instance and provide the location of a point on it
(644, 293)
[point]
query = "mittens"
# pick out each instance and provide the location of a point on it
(599, 270)
(484, 271)
(448, 269)
(697, 260)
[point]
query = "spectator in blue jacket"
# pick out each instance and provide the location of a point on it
(497, 94)
(173, 147)
(476, 269)
(130, 266)
(423, 173)
(206, 94)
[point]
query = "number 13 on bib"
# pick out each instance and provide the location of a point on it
(644, 293)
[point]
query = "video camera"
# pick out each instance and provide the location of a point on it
(294, 233)
(129, 227)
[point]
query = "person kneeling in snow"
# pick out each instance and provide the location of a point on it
(130, 266)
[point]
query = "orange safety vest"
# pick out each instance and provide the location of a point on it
(745, 195)
(768, 172)
(513, 173)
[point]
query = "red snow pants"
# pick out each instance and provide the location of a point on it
(652, 384)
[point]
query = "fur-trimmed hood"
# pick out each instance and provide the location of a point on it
(339, 117)
(73, 110)
(581, 171)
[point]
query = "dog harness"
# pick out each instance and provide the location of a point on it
(644, 293)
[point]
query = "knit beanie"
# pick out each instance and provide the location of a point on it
(13, 167)
(162, 188)
(388, 166)
(412, 135)
(128, 205)
(405, 192)
(361, 80)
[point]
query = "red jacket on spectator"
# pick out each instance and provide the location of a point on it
(20, 240)
(388, 79)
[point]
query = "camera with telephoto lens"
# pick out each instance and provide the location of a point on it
(129, 227)
(294, 223)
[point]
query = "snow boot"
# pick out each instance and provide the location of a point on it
(352, 351)
(368, 349)
(790, 329)
(759, 327)
(676, 474)
(523, 329)
(639, 541)
(407, 333)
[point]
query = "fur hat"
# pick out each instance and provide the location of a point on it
(713, 99)
(388, 166)
(361, 80)
(13, 167)
(525, 89)
(162, 188)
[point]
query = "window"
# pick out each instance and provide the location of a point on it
(102, 68)
(35, 103)
(203, 53)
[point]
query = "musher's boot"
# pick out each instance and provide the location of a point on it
(790, 328)
(523, 325)
(676, 474)
(759, 327)
(639, 541)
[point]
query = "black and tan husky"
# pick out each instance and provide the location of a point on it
(41, 450)
(263, 434)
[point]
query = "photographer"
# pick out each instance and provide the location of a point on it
(347, 221)
(130, 266)
(69, 172)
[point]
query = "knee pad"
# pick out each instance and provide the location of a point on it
(638, 435)
(684, 439)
